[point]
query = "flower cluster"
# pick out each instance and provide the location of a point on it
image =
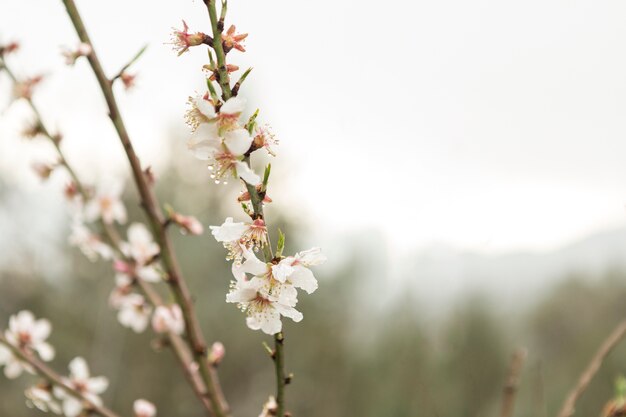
(220, 139)
(265, 291)
(69, 396)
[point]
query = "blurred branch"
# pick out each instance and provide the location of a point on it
(156, 219)
(607, 346)
(55, 140)
(512, 382)
(51, 376)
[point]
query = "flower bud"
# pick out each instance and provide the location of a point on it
(43, 170)
(217, 353)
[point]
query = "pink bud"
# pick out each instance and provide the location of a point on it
(217, 353)
(122, 267)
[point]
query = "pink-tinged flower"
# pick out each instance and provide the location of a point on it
(29, 334)
(217, 353)
(168, 319)
(270, 408)
(189, 224)
(202, 111)
(143, 408)
(230, 112)
(43, 170)
(80, 380)
(263, 308)
(128, 80)
(229, 234)
(134, 312)
(140, 245)
(89, 243)
(41, 398)
(225, 156)
(182, 40)
(264, 138)
(232, 40)
(83, 49)
(106, 205)
(25, 89)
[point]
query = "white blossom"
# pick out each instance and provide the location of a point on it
(42, 399)
(140, 246)
(143, 408)
(89, 243)
(106, 205)
(237, 237)
(27, 333)
(168, 319)
(269, 408)
(134, 312)
(13, 365)
(89, 387)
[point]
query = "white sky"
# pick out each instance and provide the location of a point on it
(488, 125)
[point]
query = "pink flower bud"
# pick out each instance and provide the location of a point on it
(143, 408)
(189, 224)
(217, 353)
(122, 267)
(43, 170)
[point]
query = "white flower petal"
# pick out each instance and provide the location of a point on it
(229, 231)
(246, 173)
(233, 106)
(79, 369)
(238, 141)
(303, 278)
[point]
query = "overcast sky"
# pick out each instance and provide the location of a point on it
(486, 125)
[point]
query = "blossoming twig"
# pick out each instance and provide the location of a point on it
(157, 221)
(51, 376)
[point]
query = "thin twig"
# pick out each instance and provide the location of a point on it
(156, 220)
(222, 72)
(509, 392)
(51, 376)
(131, 62)
(569, 406)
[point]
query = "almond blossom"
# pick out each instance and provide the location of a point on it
(29, 334)
(233, 40)
(41, 398)
(80, 380)
(262, 306)
(224, 155)
(140, 246)
(134, 312)
(182, 40)
(239, 236)
(13, 365)
(168, 319)
(106, 205)
(89, 243)
(143, 408)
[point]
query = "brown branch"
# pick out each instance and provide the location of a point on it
(51, 376)
(569, 406)
(156, 219)
(509, 392)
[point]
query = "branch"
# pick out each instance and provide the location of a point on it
(51, 376)
(217, 28)
(156, 219)
(512, 381)
(609, 343)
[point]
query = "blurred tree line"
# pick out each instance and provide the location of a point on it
(350, 357)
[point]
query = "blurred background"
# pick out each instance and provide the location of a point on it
(460, 163)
